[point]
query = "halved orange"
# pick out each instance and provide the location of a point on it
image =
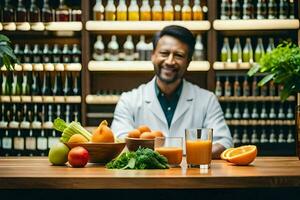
(243, 155)
(224, 154)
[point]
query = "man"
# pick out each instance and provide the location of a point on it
(168, 102)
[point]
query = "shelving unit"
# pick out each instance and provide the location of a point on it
(51, 26)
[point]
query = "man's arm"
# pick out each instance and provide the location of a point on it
(217, 149)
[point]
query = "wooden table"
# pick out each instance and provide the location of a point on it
(38, 173)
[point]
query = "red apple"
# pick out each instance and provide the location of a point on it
(78, 157)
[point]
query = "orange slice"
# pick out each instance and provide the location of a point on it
(243, 155)
(224, 154)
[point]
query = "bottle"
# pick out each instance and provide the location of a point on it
(218, 90)
(237, 51)
(225, 10)
(76, 15)
(228, 114)
(36, 122)
(128, 48)
(133, 11)
(247, 9)
(76, 87)
(56, 52)
(272, 114)
(235, 10)
(122, 11)
(255, 89)
(281, 138)
(149, 51)
(30, 143)
(75, 113)
(14, 123)
(21, 12)
(236, 87)
(68, 85)
(66, 54)
(264, 90)
(46, 12)
(291, 139)
(226, 51)
(19, 143)
(157, 14)
(186, 11)
(271, 45)
(145, 11)
(272, 9)
(8, 12)
(36, 84)
(272, 136)
(254, 114)
(52, 139)
(58, 111)
(34, 14)
(7, 143)
(110, 11)
(48, 122)
(141, 48)
(46, 57)
(227, 87)
(67, 114)
(168, 11)
(62, 13)
(259, 50)
(27, 54)
(292, 9)
(57, 86)
(236, 138)
(25, 89)
(199, 49)
(42, 143)
(248, 52)
(5, 86)
(262, 9)
(98, 53)
(76, 54)
(246, 87)
(25, 123)
(98, 11)
(37, 53)
(177, 12)
(197, 11)
(16, 87)
(47, 87)
(236, 113)
(272, 89)
(290, 113)
(18, 52)
(245, 138)
(283, 9)
(281, 114)
(263, 114)
(246, 114)
(113, 49)
(254, 136)
(4, 121)
(263, 137)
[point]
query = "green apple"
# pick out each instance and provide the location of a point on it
(58, 154)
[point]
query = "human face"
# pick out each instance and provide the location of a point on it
(170, 59)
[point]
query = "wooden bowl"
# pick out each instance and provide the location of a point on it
(134, 143)
(100, 152)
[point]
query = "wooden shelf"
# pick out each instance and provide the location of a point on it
(100, 115)
(102, 99)
(232, 65)
(52, 26)
(255, 24)
(260, 122)
(252, 98)
(46, 125)
(46, 67)
(139, 66)
(1, 27)
(142, 26)
(40, 99)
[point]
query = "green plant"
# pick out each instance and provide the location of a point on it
(7, 56)
(282, 65)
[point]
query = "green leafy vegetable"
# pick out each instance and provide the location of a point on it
(70, 129)
(7, 56)
(143, 158)
(282, 65)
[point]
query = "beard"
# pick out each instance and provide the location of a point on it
(164, 78)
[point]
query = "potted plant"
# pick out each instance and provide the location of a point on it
(282, 65)
(7, 56)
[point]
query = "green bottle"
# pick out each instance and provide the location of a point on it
(25, 85)
(237, 51)
(271, 45)
(248, 52)
(225, 51)
(16, 89)
(5, 85)
(259, 50)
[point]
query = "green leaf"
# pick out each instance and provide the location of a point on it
(59, 125)
(3, 38)
(253, 70)
(266, 79)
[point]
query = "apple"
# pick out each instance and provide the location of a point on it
(58, 154)
(78, 157)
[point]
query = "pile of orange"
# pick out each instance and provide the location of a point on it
(144, 132)
(243, 155)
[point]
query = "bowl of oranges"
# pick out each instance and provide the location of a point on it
(142, 136)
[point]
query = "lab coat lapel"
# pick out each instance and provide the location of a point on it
(184, 103)
(152, 102)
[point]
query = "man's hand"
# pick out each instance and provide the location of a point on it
(217, 149)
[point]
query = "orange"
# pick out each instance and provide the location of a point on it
(243, 155)
(135, 133)
(158, 133)
(77, 138)
(103, 133)
(224, 154)
(144, 128)
(147, 135)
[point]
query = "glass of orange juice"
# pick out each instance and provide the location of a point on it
(171, 148)
(198, 147)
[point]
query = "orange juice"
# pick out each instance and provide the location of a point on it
(198, 152)
(173, 154)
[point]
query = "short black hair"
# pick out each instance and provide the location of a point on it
(180, 33)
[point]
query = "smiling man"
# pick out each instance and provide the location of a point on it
(168, 102)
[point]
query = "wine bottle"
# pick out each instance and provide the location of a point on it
(98, 11)
(47, 87)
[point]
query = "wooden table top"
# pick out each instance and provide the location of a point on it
(37, 172)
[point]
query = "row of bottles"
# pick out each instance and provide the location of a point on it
(247, 53)
(245, 86)
(36, 116)
(263, 135)
(37, 13)
(141, 51)
(262, 9)
(48, 53)
(264, 110)
(27, 142)
(145, 12)
(40, 83)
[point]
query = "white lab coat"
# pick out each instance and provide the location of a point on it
(196, 108)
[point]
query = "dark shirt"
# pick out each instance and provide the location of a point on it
(168, 105)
